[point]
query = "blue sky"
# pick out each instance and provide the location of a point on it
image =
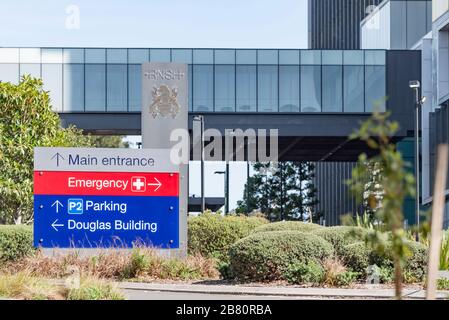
(156, 23)
(160, 23)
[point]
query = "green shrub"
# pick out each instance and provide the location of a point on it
(386, 274)
(268, 255)
(211, 235)
(340, 236)
(16, 241)
(356, 256)
(443, 284)
(137, 264)
(288, 226)
(309, 272)
(415, 266)
(347, 278)
(225, 270)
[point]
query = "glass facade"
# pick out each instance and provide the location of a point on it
(220, 80)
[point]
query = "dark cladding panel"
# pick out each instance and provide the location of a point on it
(403, 66)
(335, 24)
(333, 194)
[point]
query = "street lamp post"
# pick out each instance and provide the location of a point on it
(419, 101)
(200, 119)
(226, 187)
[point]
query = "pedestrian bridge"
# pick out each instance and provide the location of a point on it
(315, 98)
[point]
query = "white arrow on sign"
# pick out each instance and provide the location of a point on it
(158, 184)
(57, 203)
(55, 224)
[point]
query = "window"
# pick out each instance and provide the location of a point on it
(311, 57)
(311, 88)
(332, 57)
(117, 56)
(353, 57)
(246, 88)
(134, 87)
(138, 55)
(51, 55)
(267, 57)
(224, 56)
(73, 55)
(33, 69)
(31, 55)
(95, 87)
(288, 56)
(202, 88)
(117, 87)
(353, 89)
(95, 55)
(181, 55)
(224, 88)
(375, 88)
(73, 87)
(52, 78)
(190, 87)
(375, 57)
(9, 55)
(332, 89)
(288, 88)
(9, 72)
(416, 21)
(246, 57)
(203, 56)
(160, 55)
(267, 88)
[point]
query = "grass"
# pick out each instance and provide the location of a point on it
(94, 289)
(140, 263)
(22, 285)
(93, 276)
(444, 252)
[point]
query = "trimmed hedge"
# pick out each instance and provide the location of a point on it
(16, 241)
(340, 236)
(266, 256)
(211, 235)
(289, 226)
(357, 256)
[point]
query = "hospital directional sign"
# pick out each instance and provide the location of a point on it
(102, 198)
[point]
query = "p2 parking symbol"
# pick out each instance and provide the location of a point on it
(75, 206)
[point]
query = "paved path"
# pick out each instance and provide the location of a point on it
(150, 291)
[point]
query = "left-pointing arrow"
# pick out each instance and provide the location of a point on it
(57, 203)
(55, 224)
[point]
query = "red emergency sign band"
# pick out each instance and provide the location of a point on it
(106, 183)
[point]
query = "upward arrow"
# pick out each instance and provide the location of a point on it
(57, 156)
(57, 203)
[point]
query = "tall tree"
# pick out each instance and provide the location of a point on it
(281, 192)
(26, 121)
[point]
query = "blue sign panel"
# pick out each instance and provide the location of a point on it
(73, 221)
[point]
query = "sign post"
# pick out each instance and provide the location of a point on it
(164, 116)
(105, 198)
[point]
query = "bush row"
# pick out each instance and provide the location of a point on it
(268, 254)
(211, 235)
(15, 242)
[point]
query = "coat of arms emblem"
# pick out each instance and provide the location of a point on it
(165, 102)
